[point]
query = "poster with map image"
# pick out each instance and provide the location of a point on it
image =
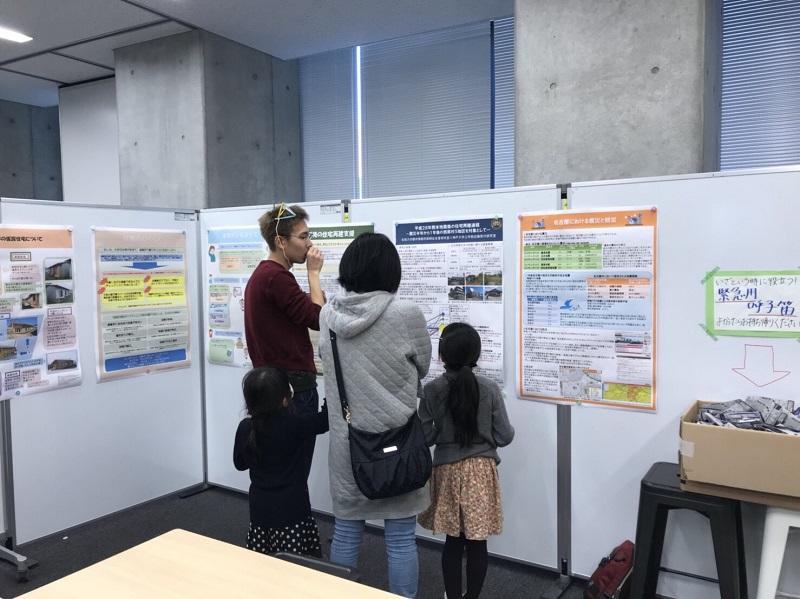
(587, 307)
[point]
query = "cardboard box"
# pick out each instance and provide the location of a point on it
(753, 466)
(784, 501)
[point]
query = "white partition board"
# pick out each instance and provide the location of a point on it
(528, 471)
(87, 451)
(734, 221)
(528, 468)
(223, 384)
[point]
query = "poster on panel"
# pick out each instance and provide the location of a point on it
(453, 270)
(141, 301)
(38, 332)
(232, 254)
(333, 241)
(753, 303)
(586, 319)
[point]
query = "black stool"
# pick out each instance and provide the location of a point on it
(661, 492)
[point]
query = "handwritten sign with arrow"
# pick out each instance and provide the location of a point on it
(759, 365)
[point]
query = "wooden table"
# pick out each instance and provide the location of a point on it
(187, 565)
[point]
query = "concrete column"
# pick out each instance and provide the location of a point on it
(162, 122)
(30, 157)
(16, 150)
(89, 142)
(47, 183)
(608, 89)
(200, 125)
(288, 165)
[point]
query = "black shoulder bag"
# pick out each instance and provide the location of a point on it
(388, 463)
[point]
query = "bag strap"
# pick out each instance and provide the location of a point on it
(339, 379)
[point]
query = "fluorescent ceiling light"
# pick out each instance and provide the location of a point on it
(13, 36)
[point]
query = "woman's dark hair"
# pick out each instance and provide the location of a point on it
(264, 390)
(370, 263)
(460, 348)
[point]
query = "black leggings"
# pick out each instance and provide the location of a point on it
(477, 562)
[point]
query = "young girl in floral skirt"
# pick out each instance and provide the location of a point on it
(464, 415)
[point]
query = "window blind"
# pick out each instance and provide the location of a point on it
(503, 129)
(760, 83)
(427, 112)
(327, 121)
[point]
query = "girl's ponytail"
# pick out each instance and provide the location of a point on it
(460, 348)
(462, 401)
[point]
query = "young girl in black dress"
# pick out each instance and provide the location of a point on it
(270, 442)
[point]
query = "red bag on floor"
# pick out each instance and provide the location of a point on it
(610, 578)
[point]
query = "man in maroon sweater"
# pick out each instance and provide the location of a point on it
(278, 313)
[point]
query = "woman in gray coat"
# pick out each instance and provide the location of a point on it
(384, 350)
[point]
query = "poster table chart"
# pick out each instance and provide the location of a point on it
(184, 564)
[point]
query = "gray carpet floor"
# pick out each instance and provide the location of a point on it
(223, 515)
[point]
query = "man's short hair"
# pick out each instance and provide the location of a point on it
(370, 263)
(272, 225)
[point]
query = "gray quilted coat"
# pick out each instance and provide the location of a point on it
(384, 350)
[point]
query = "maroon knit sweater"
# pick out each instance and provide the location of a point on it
(277, 316)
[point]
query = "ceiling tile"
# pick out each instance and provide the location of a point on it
(53, 23)
(283, 29)
(59, 68)
(102, 51)
(27, 90)
(302, 27)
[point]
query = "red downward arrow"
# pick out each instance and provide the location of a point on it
(759, 365)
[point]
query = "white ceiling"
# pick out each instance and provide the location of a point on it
(74, 39)
(291, 29)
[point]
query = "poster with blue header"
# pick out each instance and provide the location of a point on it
(232, 253)
(453, 270)
(142, 306)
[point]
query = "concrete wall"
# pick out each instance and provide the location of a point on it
(47, 182)
(30, 161)
(608, 89)
(205, 123)
(16, 150)
(89, 143)
(288, 163)
(159, 88)
(239, 124)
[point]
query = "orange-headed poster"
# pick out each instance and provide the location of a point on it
(587, 307)
(38, 339)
